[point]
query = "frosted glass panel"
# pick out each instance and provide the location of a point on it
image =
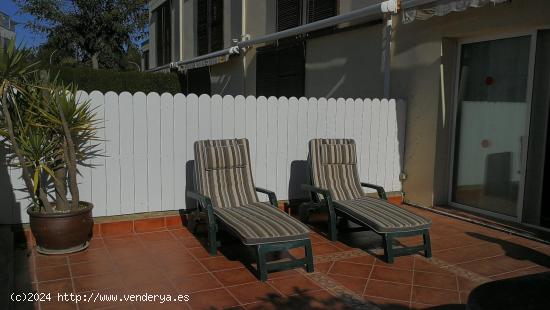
(491, 124)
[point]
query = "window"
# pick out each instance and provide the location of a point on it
(209, 26)
(146, 60)
(281, 71)
(290, 13)
(320, 9)
(163, 34)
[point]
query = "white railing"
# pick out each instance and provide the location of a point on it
(148, 145)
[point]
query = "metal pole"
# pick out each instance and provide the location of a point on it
(387, 55)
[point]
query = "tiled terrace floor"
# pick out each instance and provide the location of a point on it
(346, 277)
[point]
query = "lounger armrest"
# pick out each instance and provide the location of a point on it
(270, 194)
(205, 201)
(379, 189)
(321, 191)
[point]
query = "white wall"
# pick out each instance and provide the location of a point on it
(148, 143)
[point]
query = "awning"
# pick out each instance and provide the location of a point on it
(444, 7)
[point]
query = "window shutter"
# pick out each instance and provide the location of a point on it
(202, 27)
(216, 25)
(163, 34)
(320, 9)
(280, 71)
(289, 14)
(209, 26)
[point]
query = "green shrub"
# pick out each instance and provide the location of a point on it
(89, 80)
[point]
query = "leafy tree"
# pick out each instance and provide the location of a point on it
(100, 31)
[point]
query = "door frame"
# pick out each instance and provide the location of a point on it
(454, 116)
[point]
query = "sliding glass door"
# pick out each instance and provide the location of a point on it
(492, 120)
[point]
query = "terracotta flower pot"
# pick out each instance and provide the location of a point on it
(62, 233)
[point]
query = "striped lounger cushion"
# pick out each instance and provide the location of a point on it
(222, 172)
(334, 167)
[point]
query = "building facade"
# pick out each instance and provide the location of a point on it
(475, 75)
(7, 29)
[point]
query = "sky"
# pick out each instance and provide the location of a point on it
(25, 36)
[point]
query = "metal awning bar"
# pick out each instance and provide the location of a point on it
(365, 14)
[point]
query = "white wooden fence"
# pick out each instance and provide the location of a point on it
(148, 145)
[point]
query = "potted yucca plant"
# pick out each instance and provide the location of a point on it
(49, 132)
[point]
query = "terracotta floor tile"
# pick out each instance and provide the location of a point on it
(433, 296)
(97, 282)
(156, 236)
(136, 263)
(56, 286)
(124, 252)
(220, 263)
(465, 284)
(388, 290)
(323, 267)
(492, 266)
(153, 246)
(400, 262)
(166, 252)
(320, 299)
(43, 261)
(435, 280)
(200, 252)
(282, 274)
(342, 246)
(357, 285)
(175, 221)
(95, 255)
(365, 260)
(317, 239)
(91, 268)
(134, 278)
(117, 228)
(386, 303)
(121, 241)
(149, 224)
(324, 248)
(392, 275)
(464, 297)
(181, 233)
(96, 243)
(194, 283)
(252, 292)
(53, 273)
(183, 270)
(469, 253)
(297, 253)
(168, 261)
(235, 276)
(454, 242)
(191, 242)
(351, 269)
(294, 285)
(260, 306)
(423, 264)
(212, 299)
